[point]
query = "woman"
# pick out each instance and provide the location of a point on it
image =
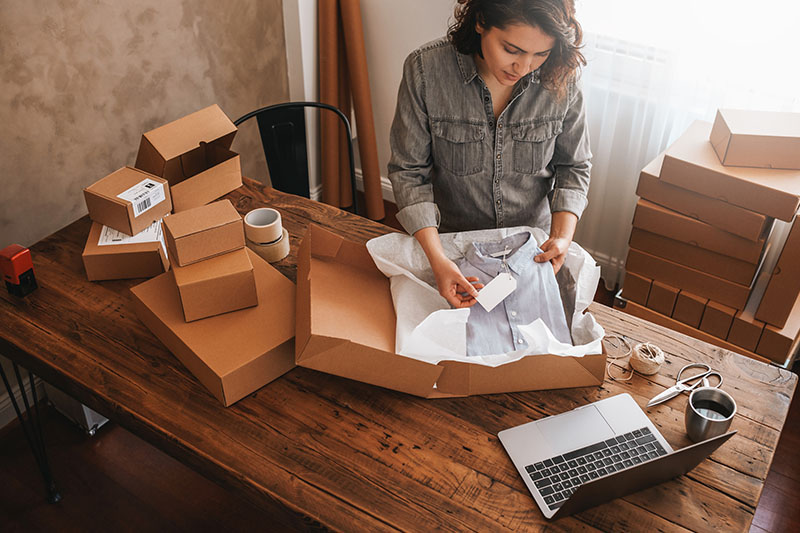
(490, 131)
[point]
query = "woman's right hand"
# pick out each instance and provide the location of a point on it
(458, 290)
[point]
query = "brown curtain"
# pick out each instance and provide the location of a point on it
(344, 78)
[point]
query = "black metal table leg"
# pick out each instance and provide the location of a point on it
(32, 427)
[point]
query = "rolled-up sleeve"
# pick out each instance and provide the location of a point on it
(571, 159)
(410, 165)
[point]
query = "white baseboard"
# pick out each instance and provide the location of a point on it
(7, 413)
(386, 188)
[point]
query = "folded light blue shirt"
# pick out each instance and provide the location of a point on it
(536, 296)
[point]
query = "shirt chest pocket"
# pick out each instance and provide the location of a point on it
(458, 148)
(533, 145)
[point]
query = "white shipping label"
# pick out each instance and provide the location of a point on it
(151, 233)
(144, 195)
(496, 291)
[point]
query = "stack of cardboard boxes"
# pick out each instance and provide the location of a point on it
(701, 259)
(184, 164)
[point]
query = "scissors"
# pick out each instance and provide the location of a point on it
(685, 384)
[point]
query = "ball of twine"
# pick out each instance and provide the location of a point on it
(646, 358)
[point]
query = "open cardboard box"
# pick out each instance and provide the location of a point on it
(193, 154)
(346, 327)
(232, 354)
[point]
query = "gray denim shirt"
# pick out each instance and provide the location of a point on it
(454, 168)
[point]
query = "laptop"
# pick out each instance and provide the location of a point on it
(596, 453)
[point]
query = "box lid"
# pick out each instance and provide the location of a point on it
(185, 134)
(231, 263)
(119, 181)
(202, 218)
(766, 123)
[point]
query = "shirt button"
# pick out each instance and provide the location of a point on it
(498, 156)
(513, 313)
(496, 181)
(519, 341)
(500, 126)
(498, 202)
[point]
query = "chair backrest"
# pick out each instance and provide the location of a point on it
(283, 135)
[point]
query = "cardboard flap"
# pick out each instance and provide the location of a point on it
(376, 367)
(324, 243)
(535, 372)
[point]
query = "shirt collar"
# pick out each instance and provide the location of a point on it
(522, 248)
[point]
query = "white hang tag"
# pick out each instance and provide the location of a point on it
(496, 291)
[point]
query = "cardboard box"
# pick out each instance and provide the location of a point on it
(193, 154)
(233, 354)
(346, 327)
(722, 266)
(636, 288)
(128, 200)
(656, 219)
(745, 333)
(218, 285)
(778, 344)
(689, 308)
(765, 139)
(124, 260)
(682, 277)
(717, 319)
(662, 298)
(634, 309)
(203, 232)
(691, 163)
(784, 283)
(725, 216)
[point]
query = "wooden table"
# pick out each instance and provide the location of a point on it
(315, 450)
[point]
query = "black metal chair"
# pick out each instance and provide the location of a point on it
(283, 135)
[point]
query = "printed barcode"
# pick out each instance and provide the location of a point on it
(141, 206)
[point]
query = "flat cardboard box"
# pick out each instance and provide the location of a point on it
(122, 261)
(106, 207)
(203, 232)
(346, 327)
(725, 216)
(745, 333)
(691, 163)
(632, 308)
(717, 319)
(661, 221)
(784, 282)
(778, 344)
(662, 298)
(193, 154)
(233, 354)
(689, 308)
(636, 288)
(218, 285)
(766, 139)
(682, 277)
(722, 266)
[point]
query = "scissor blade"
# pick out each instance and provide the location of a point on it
(664, 396)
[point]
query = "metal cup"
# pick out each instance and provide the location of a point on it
(708, 413)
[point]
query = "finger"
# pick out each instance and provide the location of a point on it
(467, 287)
(546, 255)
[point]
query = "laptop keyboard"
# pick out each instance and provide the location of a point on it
(558, 477)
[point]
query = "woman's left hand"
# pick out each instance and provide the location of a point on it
(554, 250)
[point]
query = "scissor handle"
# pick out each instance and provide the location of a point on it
(706, 370)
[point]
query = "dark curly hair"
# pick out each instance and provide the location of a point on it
(556, 18)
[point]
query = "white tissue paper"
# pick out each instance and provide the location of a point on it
(429, 330)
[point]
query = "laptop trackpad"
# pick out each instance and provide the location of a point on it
(575, 429)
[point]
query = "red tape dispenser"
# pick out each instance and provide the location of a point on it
(17, 268)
